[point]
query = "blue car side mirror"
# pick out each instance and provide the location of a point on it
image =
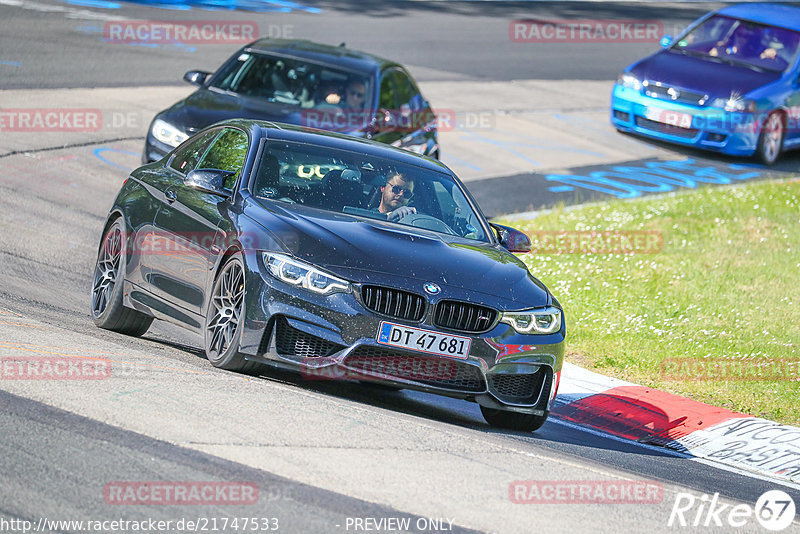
(666, 41)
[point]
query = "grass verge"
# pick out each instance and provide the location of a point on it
(711, 311)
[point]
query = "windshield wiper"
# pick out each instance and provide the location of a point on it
(687, 52)
(738, 63)
(701, 55)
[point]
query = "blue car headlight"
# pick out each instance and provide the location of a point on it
(626, 79)
(302, 274)
(735, 103)
(534, 321)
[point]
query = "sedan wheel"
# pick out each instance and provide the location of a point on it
(107, 308)
(513, 420)
(770, 142)
(225, 319)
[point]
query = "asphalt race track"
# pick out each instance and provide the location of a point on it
(321, 455)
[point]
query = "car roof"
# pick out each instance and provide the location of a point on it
(785, 16)
(341, 56)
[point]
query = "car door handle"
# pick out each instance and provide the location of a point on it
(171, 195)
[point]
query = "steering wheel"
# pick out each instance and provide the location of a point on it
(420, 220)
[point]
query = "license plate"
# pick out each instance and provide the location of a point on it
(671, 118)
(420, 340)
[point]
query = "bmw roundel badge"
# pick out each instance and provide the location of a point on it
(431, 288)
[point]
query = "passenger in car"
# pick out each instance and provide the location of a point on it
(745, 42)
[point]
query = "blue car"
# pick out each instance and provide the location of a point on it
(729, 83)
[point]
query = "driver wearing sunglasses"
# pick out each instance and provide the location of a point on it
(354, 95)
(394, 197)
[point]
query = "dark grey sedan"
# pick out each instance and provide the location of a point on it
(337, 257)
(330, 88)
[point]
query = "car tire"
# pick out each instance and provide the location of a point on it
(770, 141)
(222, 328)
(525, 422)
(107, 309)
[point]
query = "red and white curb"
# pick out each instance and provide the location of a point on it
(653, 417)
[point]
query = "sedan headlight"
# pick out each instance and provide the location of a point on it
(535, 321)
(734, 103)
(167, 133)
(304, 275)
(630, 81)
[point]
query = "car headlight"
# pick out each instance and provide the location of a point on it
(734, 103)
(535, 321)
(303, 275)
(167, 133)
(630, 81)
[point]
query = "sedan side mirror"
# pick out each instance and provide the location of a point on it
(666, 41)
(196, 77)
(209, 181)
(512, 239)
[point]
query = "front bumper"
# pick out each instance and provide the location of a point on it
(733, 133)
(334, 338)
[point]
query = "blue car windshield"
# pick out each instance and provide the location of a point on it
(295, 83)
(366, 186)
(740, 42)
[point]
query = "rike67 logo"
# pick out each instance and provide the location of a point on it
(774, 510)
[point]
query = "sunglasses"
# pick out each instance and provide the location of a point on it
(356, 94)
(396, 189)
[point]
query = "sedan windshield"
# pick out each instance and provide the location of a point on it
(739, 42)
(294, 82)
(366, 186)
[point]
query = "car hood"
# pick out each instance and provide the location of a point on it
(373, 251)
(205, 107)
(718, 80)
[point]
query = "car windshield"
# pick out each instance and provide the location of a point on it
(294, 82)
(359, 185)
(730, 40)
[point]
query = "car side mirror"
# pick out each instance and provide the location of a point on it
(512, 239)
(196, 77)
(666, 41)
(209, 181)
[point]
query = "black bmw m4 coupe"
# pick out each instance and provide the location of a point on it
(336, 257)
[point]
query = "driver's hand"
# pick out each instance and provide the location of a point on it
(401, 212)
